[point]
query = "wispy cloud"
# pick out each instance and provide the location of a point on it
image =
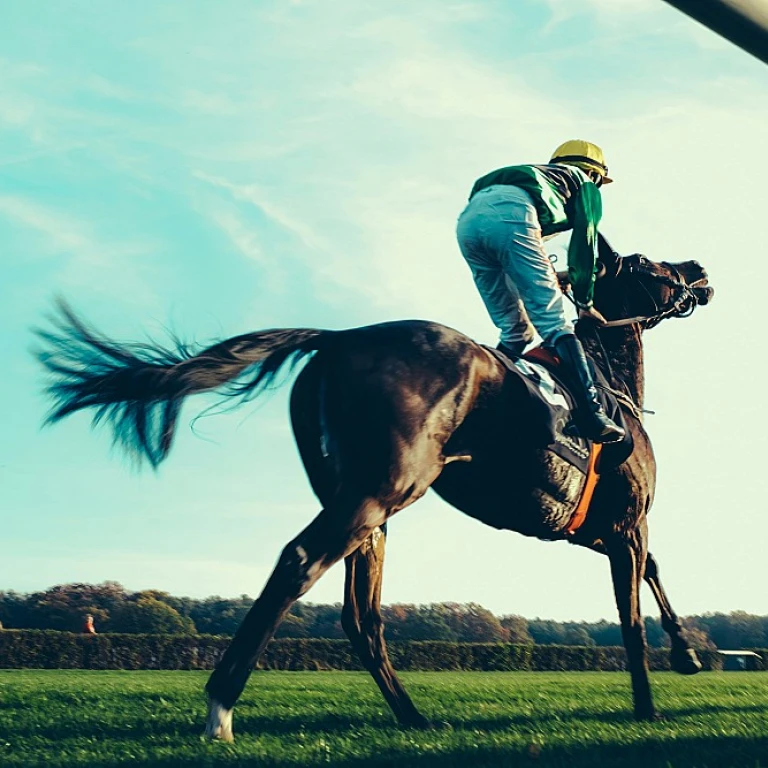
(251, 193)
(246, 241)
(243, 237)
(63, 233)
(85, 257)
(16, 112)
(25, 157)
(605, 11)
(105, 87)
(211, 103)
(442, 86)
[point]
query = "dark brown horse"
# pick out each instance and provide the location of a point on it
(383, 413)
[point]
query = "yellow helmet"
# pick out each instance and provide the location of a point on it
(584, 155)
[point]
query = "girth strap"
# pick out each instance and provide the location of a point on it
(580, 513)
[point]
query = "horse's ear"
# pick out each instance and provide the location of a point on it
(608, 260)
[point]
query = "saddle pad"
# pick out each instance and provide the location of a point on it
(554, 407)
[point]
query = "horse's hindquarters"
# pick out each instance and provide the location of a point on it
(372, 415)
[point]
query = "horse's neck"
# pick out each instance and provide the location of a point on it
(624, 348)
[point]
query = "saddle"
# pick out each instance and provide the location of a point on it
(554, 410)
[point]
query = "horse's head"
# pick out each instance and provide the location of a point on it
(634, 289)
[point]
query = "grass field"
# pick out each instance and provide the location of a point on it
(72, 718)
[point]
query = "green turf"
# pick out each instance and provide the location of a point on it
(574, 719)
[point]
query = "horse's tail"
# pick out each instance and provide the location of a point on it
(139, 388)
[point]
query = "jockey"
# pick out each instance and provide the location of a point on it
(501, 231)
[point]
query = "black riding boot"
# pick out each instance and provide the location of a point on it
(597, 425)
(512, 350)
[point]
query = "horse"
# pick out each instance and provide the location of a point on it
(381, 414)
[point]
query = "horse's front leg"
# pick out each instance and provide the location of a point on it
(627, 564)
(683, 658)
(361, 619)
(333, 534)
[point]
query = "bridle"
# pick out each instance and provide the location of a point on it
(681, 303)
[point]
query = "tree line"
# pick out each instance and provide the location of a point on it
(115, 609)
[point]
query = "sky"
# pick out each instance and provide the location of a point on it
(219, 168)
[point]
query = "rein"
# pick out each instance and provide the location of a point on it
(681, 304)
(624, 398)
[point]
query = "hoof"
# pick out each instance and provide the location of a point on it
(420, 723)
(685, 662)
(219, 724)
(650, 717)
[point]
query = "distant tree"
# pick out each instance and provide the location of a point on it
(151, 616)
(293, 626)
(404, 621)
(697, 636)
(655, 635)
(300, 621)
(218, 615)
(183, 605)
(547, 632)
(734, 630)
(471, 623)
(326, 622)
(577, 634)
(13, 610)
(749, 629)
(605, 633)
(65, 606)
(516, 628)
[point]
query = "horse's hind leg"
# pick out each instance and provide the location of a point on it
(683, 658)
(332, 535)
(361, 619)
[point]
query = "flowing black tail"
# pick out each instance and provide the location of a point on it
(139, 388)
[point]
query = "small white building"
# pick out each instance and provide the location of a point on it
(740, 661)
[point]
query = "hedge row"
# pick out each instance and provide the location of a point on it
(47, 649)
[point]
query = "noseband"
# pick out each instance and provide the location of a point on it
(681, 303)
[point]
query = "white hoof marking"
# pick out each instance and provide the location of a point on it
(219, 724)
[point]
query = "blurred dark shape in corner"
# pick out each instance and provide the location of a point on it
(743, 22)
